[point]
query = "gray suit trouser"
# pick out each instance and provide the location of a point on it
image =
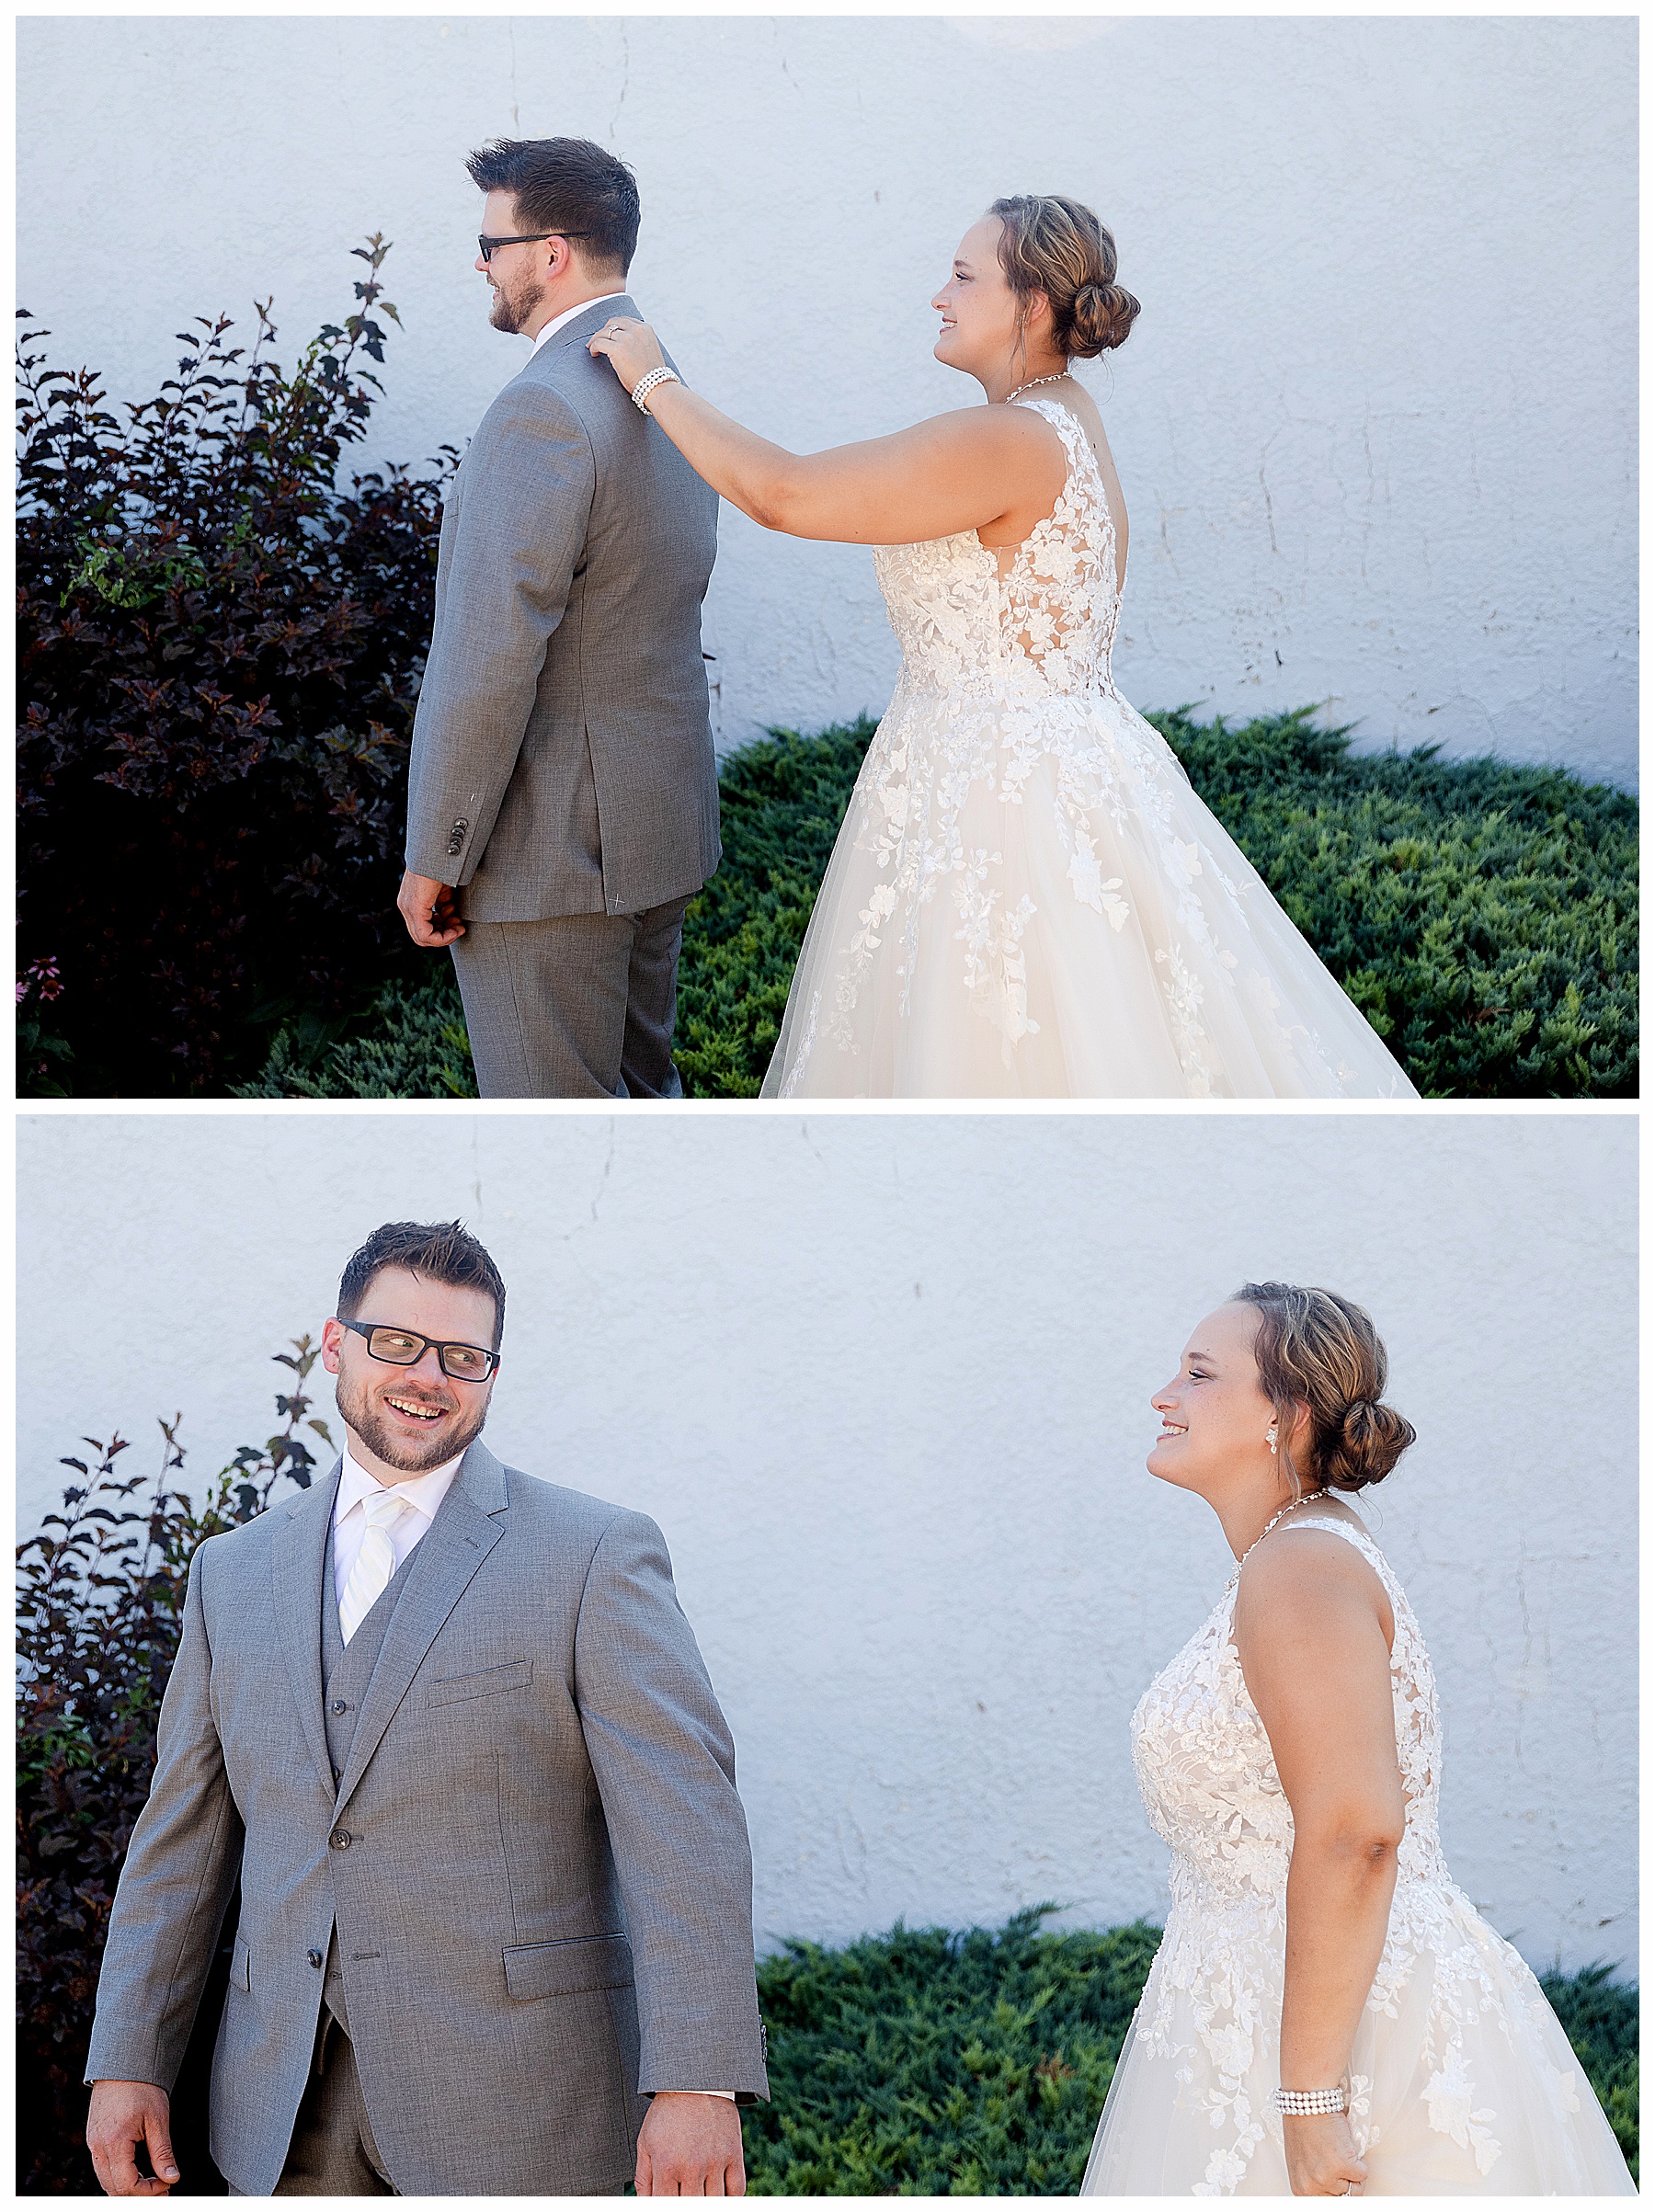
(333, 2152)
(582, 1007)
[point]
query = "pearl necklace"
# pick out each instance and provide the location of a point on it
(1309, 1497)
(1033, 385)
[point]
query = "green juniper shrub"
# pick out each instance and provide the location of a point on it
(929, 2064)
(219, 653)
(100, 1598)
(1483, 917)
(413, 1046)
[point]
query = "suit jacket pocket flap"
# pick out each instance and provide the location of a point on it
(489, 1683)
(591, 1962)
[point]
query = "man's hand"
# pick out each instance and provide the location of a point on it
(426, 904)
(690, 2146)
(122, 2116)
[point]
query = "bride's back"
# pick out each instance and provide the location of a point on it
(1033, 618)
(1084, 408)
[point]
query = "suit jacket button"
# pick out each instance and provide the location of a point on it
(339, 1705)
(315, 1957)
(339, 1840)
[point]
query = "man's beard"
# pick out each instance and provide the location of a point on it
(511, 310)
(408, 1457)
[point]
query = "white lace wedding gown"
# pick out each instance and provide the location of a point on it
(1462, 2081)
(1027, 899)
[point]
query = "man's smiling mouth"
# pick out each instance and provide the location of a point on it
(411, 1408)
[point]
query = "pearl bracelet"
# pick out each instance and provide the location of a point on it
(1303, 2102)
(646, 384)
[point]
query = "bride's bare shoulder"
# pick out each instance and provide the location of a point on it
(1306, 1578)
(1008, 428)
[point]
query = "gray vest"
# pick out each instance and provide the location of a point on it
(347, 1671)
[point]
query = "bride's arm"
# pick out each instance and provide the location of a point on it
(1311, 1633)
(966, 470)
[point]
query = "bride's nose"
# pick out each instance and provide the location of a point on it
(1163, 1401)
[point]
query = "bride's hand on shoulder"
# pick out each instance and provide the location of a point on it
(631, 348)
(1321, 2155)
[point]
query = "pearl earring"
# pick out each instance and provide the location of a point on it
(1270, 1440)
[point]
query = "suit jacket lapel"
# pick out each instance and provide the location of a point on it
(298, 1555)
(458, 1541)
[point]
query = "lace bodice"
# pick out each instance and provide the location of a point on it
(1045, 625)
(1208, 1777)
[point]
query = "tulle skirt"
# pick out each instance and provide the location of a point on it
(1469, 2089)
(1028, 900)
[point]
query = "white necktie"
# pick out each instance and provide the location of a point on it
(375, 1563)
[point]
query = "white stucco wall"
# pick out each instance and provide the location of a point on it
(884, 1381)
(1375, 425)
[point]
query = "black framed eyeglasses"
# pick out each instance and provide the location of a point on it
(487, 246)
(406, 1348)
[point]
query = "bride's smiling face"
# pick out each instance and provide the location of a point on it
(1214, 1415)
(977, 306)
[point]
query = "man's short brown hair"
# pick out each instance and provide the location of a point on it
(444, 1251)
(567, 185)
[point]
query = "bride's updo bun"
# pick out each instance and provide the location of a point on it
(1057, 246)
(1317, 1350)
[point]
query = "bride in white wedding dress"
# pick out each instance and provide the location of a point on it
(1027, 899)
(1327, 2014)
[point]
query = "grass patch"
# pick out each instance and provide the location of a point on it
(1483, 917)
(928, 2064)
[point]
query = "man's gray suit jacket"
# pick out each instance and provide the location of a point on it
(535, 1854)
(563, 759)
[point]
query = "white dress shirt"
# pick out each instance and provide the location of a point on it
(569, 314)
(425, 1493)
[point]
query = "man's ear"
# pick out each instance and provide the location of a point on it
(333, 1338)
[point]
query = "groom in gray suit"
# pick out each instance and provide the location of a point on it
(452, 1729)
(563, 803)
